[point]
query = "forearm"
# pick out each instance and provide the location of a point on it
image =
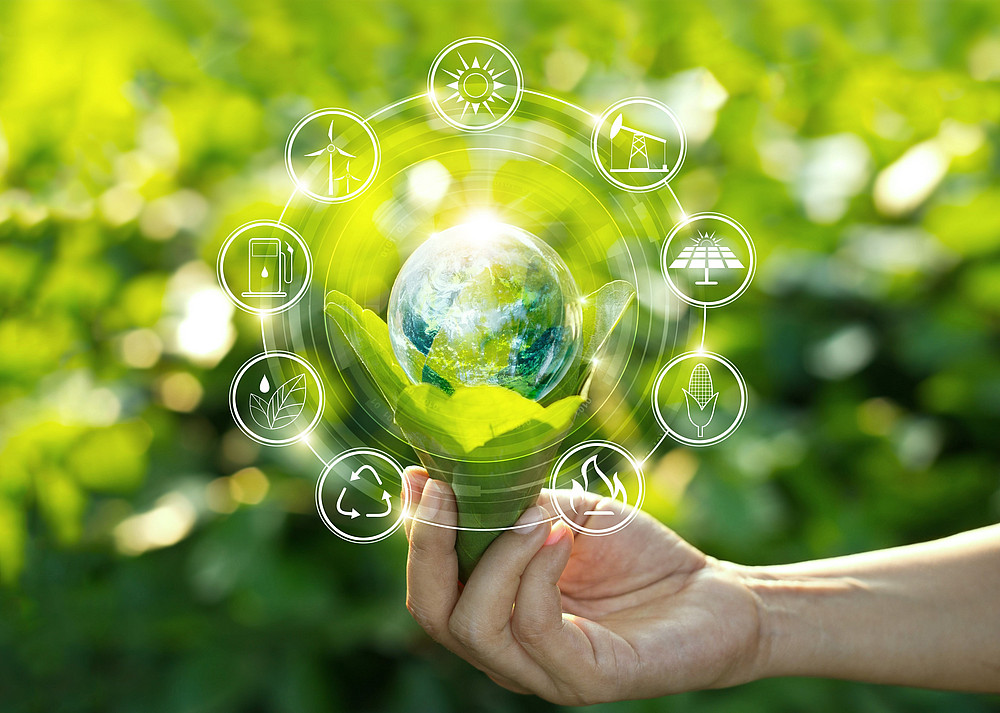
(924, 615)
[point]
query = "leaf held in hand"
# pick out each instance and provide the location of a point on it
(368, 336)
(492, 445)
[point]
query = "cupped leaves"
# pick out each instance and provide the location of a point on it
(368, 336)
(482, 422)
(603, 309)
(493, 446)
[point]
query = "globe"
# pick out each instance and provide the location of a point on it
(485, 303)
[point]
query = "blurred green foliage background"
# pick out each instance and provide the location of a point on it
(153, 559)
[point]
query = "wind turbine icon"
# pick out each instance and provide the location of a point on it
(332, 149)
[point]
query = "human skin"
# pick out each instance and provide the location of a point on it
(641, 613)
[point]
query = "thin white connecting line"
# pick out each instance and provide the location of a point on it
(653, 449)
(287, 203)
(676, 200)
(393, 106)
(310, 447)
(263, 338)
(704, 324)
(561, 101)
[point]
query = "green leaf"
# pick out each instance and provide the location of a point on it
(473, 416)
(369, 337)
(493, 446)
(602, 311)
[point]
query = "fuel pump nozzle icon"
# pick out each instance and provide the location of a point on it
(270, 269)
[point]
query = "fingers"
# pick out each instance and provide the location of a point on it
(538, 624)
(538, 606)
(416, 479)
(432, 565)
(489, 593)
(481, 620)
(432, 587)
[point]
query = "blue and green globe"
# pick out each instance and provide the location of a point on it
(486, 303)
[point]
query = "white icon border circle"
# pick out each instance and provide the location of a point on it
(404, 496)
(636, 466)
(347, 114)
(682, 154)
(750, 270)
(518, 85)
(249, 431)
(739, 415)
(221, 275)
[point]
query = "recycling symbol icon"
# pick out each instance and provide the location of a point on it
(353, 513)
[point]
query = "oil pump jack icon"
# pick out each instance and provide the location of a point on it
(613, 484)
(642, 146)
(352, 513)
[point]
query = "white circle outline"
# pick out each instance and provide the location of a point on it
(347, 114)
(404, 496)
(220, 272)
(743, 234)
(518, 85)
(239, 419)
(653, 103)
(636, 466)
(739, 380)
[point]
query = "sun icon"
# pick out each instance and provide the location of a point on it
(476, 85)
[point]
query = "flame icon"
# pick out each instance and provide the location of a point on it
(613, 484)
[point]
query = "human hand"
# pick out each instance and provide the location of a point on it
(580, 620)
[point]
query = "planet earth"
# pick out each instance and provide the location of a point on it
(486, 303)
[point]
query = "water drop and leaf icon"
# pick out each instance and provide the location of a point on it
(284, 405)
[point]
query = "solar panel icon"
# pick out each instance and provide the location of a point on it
(708, 253)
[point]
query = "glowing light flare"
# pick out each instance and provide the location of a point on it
(170, 521)
(906, 184)
(206, 332)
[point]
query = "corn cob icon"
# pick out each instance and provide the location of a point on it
(700, 392)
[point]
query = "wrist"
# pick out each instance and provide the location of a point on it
(804, 625)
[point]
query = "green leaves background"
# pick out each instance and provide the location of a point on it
(135, 135)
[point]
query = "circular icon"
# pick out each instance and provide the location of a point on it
(358, 493)
(638, 144)
(264, 267)
(604, 468)
(475, 84)
(276, 398)
(704, 402)
(708, 260)
(332, 155)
